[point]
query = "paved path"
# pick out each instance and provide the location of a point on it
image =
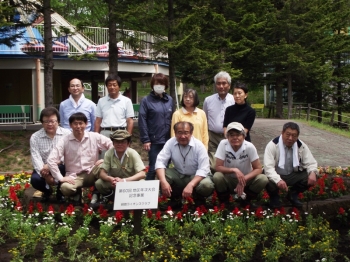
(328, 149)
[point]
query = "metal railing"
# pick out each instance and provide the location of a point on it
(16, 114)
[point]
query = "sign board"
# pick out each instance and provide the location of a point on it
(136, 195)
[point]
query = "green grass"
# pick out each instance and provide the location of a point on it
(326, 127)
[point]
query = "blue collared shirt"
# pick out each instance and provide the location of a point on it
(68, 107)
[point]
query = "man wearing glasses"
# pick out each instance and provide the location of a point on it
(190, 176)
(41, 144)
(77, 103)
(115, 111)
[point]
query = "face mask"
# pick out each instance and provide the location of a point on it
(159, 89)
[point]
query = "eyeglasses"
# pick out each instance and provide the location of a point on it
(51, 122)
(186, 133)
(112, 85)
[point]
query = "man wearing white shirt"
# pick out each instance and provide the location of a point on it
(289, 166)
(77, 103)
(190, 176)
(214, 107)
(115, 111)
(238, 167)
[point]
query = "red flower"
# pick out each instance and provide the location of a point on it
(39, 207)
(259, 212)
(203, 209)
(162, 199)
(199, 212)
(18, 206)
(231, 200)
(216, 210)
(118, 216)
(70, 210)
(100, 209)
(51, 210)
(91, 189)
(214, 197)
(265, 195)
(341, 211)
(85, 209)
(149, 213)
(179, 216)
(189, 200)
(185, 208)
(296, 213)
(158, 215)
(61, 209)
(146, 169)
(300, 196)
(104, 214)
(89, 196)
(335, 188)
(31, 207)
(282, 211)
(27, 185)
(222, 206)
(237, 212)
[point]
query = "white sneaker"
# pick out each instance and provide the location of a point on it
(94, 199)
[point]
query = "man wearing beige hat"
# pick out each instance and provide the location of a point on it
(238, 167)
(121, 164)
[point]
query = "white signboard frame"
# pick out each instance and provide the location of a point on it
(136, 195)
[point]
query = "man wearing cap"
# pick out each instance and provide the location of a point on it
(214, 107)
(80, 150)
(115, 111)
(238, 167)
(121, 164)
(190, 176)
(289, 166)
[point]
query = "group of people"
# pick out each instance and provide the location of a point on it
(209, 149)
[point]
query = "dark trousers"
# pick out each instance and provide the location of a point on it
(39, 182)
(152, 158)
(297, 181)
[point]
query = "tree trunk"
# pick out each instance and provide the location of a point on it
(113, 50)
(170, 51)
(48, 55)
(290, 96)
(279, 96)
(339, 102)
(319, 105)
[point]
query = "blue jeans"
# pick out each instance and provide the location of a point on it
(152, 158)
(39, 183)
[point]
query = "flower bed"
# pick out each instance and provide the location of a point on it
(69, 233)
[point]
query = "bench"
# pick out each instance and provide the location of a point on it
(136, 110)
(259, 107)
(15, 114)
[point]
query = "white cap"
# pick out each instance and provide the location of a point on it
(236, 126)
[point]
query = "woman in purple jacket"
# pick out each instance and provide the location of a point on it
(154, 120)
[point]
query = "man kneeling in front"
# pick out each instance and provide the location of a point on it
(121, 164)
(289, 166)
(190, 175)
(80, 150)
(238, 167)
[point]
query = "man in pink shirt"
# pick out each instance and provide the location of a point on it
(80, 150)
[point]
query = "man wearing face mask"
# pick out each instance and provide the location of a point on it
(154, 120)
